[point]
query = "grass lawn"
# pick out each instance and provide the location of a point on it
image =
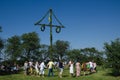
(100, 75)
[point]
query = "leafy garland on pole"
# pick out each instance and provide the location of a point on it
(58, 29)
(42, 27)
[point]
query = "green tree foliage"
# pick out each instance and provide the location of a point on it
(13, 47)
(113, 55)
(1, 47)
(0, 29)
(1, 41)
(1, 44)
(30, 45)
(74, 54)
(43, 52)
(92, 54)
(60, 48)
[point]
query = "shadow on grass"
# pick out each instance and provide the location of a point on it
(66, 75)
(4, 73)
(112, 74)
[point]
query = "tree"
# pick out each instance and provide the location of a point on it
(13, 48)
(1, 41)
(1, 47)
(61, 47)
(0, 29)
(30, 45)
(112, 51)
(1, 44)
(44, 50)
(74, 54)
(89, 53)
(92, 54)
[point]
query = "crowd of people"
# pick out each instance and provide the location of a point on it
(38, 68)
(9, 69)
(89, 67)
(75, 68)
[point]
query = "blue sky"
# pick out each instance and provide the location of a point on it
(88, 23)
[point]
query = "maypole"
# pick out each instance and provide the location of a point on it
(51, 25)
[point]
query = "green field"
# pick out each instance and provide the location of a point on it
(102, 74)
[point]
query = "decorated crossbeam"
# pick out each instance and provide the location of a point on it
(43, 26)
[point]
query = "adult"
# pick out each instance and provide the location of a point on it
(84, 67)
(26, 68)
(91, 66)
(60, 65)
(36, 68)
(50, 67)
(31, 67)
(42, 67)
(71, 67)
(77, 66)
(94, 67)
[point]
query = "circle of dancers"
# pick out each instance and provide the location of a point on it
(76, 69)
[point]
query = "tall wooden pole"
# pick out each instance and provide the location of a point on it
(51, 38)
(58, 28)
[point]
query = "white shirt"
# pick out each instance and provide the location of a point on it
(91, 64)
(42, 66)
(36, 66)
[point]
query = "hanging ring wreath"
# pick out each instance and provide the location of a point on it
(58, 29)
(43, 27)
